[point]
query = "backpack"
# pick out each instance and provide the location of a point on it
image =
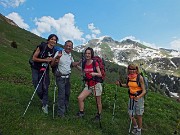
(44, 46)
(138, 81)
(101, 66)
(145, 81)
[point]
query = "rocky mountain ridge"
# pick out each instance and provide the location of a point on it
(131, 51)
(162, 65)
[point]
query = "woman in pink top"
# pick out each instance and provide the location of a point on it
(91, 86)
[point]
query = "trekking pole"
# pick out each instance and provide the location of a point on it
(132, 115)
(115, 98)
(97, 108)
(35, 91)
(54, 101)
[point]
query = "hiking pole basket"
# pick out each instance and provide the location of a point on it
(35, 90)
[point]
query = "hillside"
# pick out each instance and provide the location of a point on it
(161, 113)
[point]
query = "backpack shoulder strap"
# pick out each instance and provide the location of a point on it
(83, 65)
(42, 48)
(54, 51)
(127, 81)
(138, 80)
(94, 66)
(42, 45)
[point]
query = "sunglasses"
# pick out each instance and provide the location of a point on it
(131, 69)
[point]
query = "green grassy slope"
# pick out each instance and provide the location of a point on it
(160, 118)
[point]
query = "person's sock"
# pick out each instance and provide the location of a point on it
(136, 126)
(139, 129)
(81, 112)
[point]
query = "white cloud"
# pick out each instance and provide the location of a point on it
(35, 32)
(11, 3)
(64, 27)
(95, 31)
(152, 45)
(175, 44)
(129, 37)
(18, 20)
(93, 36)
(88, 36)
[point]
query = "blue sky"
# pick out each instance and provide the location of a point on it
(155, 23)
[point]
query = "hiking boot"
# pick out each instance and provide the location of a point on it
(138, 133)
(45, 109)
(134, 131)
(80, 114)
(97, 117)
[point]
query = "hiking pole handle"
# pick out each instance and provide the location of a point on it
(135, 96)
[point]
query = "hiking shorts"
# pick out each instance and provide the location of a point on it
(98, 88)
(138, 108)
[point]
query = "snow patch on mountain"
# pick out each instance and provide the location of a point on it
(175, 53)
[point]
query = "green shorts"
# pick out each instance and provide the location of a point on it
(138, 108)
(98, 88)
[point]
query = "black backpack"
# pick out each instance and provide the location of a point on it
(44, 46)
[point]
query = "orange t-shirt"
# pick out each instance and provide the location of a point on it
(133, 86)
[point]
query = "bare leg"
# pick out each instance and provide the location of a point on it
(139, 120)
(133, 121)
(81, 99)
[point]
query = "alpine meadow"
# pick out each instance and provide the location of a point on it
(161, 117)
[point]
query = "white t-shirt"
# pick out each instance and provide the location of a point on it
(64, 65)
